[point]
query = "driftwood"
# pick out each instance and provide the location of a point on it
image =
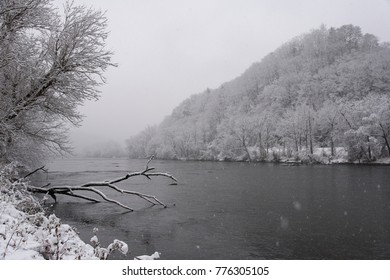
(91, 187)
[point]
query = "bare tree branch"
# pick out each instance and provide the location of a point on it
(50, 63)
(36, 170)
(91, 187)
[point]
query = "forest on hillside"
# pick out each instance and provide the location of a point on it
(326, 90)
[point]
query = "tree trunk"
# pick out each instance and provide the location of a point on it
(246, 149)
(310, 135)
(384, 135)
(267, 142)
(300, 142)
(195, 136)
(306, 136)
(260, 144)
(387, 145)
(332, 152)
(331, 146)
(369, 149)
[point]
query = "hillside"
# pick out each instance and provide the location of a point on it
(327, 90)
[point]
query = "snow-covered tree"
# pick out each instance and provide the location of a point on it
(51, 62)
(238, 133)
(327, 127)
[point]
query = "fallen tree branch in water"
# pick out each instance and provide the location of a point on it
(91, 187)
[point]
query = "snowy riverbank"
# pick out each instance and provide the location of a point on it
(277, 155)
(27, 233)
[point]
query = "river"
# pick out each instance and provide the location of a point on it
(230, 210)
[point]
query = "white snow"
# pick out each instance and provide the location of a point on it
(155, 255)
(383, 160)
(27, 233)
(119, 245)
(24, 236)
(94, 240)
(297, 205)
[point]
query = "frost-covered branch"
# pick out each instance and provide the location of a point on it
(50, 63)
(103, 253)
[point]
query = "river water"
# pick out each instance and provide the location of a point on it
(222, 210)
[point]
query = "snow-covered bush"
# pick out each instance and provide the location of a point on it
(27, 233)
(103, 253)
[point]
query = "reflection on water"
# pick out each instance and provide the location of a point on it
(236, 210)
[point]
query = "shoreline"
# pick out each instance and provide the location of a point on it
(287, 161)
(29, 232)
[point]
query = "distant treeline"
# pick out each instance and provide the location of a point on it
(328, 88)
(108, 149)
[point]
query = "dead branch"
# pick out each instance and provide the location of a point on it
(34, 171)
(80, 196)
(91, 187)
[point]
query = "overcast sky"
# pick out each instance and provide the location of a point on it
(168, 50)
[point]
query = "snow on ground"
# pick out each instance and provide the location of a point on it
(340, 152)
(35, 236)
(154, 256)
(27, 233)
(383, 161)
